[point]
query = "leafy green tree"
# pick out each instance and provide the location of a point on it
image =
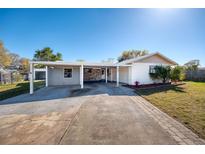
(132, 54)
(46, 54)
(162, 73)
(177, 73)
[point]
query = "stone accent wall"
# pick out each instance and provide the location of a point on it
(92, 74)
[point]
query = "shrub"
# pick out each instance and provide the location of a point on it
(137, 83)
(161, 73)
(177, 74)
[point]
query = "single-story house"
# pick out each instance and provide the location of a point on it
(76, 73)
(7, 75)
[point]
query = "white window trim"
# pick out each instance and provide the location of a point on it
(64, 72)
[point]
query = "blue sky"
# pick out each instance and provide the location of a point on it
(98, 34)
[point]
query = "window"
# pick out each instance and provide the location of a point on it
(68, 73)
(151, 69)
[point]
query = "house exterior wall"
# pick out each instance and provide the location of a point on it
(56, 76)
(157, 59)
(123, 75)
(127, 74)
(140, 73)
(111, 74)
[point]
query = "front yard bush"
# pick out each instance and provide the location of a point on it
(161, 73)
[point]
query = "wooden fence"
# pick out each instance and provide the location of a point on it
(198, 75)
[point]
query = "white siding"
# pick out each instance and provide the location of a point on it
(56, 76)
(113, 75)
(129, 75)
(140, 73)
(123, 75)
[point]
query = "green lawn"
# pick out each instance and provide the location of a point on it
(185, 102)
(11, 90)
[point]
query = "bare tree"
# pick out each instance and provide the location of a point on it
(128, 54)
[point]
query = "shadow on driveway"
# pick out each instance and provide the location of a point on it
(58, 92)
(46, 93)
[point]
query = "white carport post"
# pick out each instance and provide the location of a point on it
(46, 76)
(117, 76)
(34, 74)
(81, 77)
(111, 74)
(106, 75)
(31, 78)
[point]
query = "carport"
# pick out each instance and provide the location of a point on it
(75, 67)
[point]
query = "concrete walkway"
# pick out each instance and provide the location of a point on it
(99, 114)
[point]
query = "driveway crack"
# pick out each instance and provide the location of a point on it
(69, 125)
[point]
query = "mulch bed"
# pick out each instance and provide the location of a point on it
(144, 86)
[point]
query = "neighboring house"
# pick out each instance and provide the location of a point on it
(6, 75)
(193, 62)
(76, 73)
(195, 74)
(2, 75)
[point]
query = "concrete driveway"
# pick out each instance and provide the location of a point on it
(99, 114)
(58, 92)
